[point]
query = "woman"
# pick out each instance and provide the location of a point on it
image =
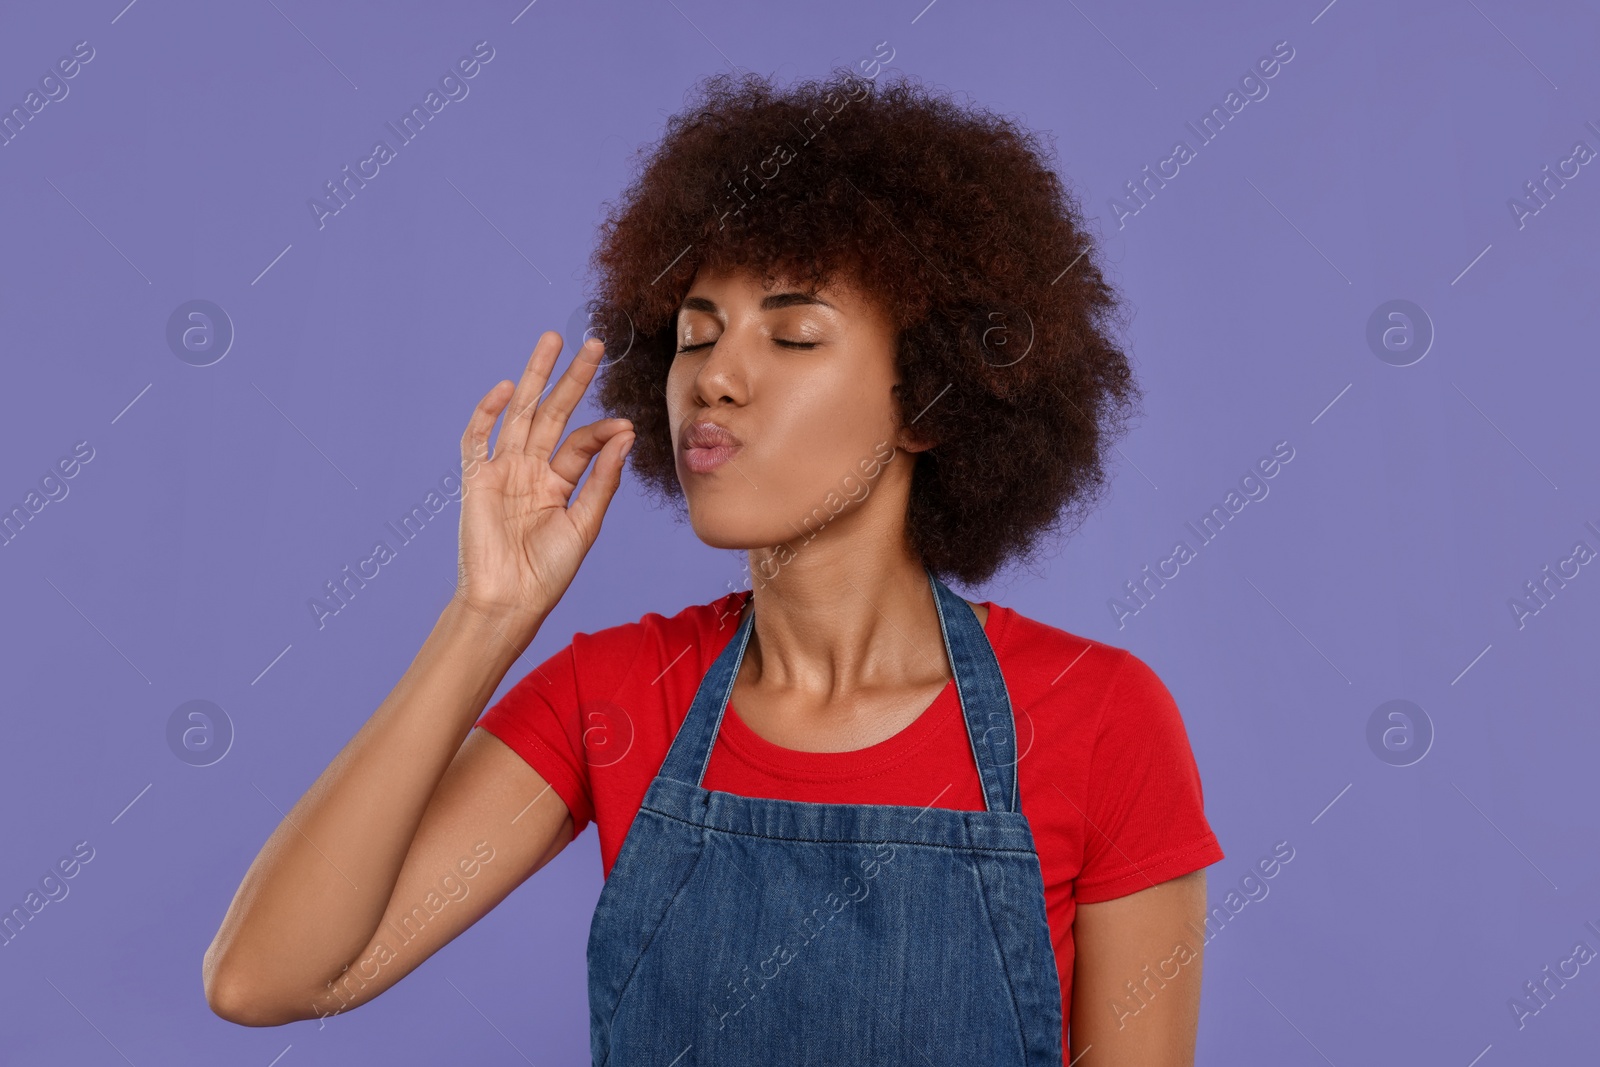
(845, 815)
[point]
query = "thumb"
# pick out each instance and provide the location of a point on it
(589, 506)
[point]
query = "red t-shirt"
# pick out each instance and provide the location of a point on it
(1106, 778)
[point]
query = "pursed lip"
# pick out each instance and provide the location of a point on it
(707, 445)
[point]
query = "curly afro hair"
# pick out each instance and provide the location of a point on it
(954, 220)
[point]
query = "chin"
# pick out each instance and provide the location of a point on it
(732, 523)
(726, 532)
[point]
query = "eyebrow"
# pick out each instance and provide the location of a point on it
(770, 303)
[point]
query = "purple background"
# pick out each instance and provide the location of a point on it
(1419, 501)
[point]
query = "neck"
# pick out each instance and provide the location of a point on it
(841, 616)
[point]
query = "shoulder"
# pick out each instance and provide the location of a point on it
(698, 620)
(656, 638)
(1030, 650)
(1047, 667)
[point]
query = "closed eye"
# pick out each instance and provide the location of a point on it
(786, 344)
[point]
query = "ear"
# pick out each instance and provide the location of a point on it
(910, 441)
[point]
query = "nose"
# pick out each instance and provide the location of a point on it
(723, 371)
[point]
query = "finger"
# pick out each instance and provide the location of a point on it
(519, 413)
(550, 419)
(581, 444)
(590, 505)
(475, 440)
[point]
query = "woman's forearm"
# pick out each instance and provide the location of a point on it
(319, 887)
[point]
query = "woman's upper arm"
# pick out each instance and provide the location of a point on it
(1141, 891)
(491, 823)
(1136, 976)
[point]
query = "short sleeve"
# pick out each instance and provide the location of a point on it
(1145, 807)
(538, 718)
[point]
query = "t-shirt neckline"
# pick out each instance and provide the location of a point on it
(792, 764)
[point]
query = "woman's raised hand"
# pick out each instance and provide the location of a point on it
(521, 543)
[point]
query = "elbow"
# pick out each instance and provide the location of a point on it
(230, 997)
(228, 1000)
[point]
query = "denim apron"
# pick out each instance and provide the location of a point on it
(739, 931)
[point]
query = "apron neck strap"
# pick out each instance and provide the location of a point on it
(985, 703)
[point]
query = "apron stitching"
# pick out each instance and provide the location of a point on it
(746, 626)
(850, 841)
(644, 950)
(1005, 968)
(985, 783)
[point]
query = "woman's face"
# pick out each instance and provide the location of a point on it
(799, 386)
